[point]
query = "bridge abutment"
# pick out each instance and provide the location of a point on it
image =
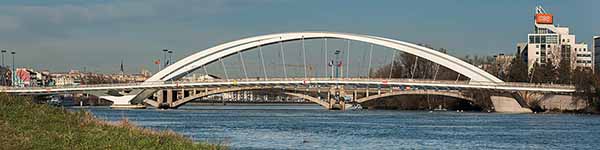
(506, 104)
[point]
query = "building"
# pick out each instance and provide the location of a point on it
(503, 63)
(25, 77)
(596, 46)
(498, 65)
(553, 43)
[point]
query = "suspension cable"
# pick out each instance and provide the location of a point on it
(326, 63)
(392, 65)
(412, 73)
(262, 60)
(243, 65)
(304, 57)
(348, 60)
(205, 71)
(437, 68)
(282, 58)
(224, 69)
(370, 59)
(457, 77)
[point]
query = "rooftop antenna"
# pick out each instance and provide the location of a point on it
(540, 10)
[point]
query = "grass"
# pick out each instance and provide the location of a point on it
(25, 125)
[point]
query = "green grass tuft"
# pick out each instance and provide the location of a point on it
(25, 125)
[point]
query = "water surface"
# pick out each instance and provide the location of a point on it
(311, 127)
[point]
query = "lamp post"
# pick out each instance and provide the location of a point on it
(164, 57)
(170, 58)
(4, 79)
(13, 68)
(3, 51)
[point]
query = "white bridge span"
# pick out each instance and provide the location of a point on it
(204, 57)
(479, 79)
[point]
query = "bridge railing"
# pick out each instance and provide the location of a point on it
(305, 80)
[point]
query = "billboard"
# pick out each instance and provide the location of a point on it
(543, 18)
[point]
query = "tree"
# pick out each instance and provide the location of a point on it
(584, 84)
(409, 66)
(549, 72)
(543, 73)
(564, 71)
(595, 104)
(537, 73)
(518, 70)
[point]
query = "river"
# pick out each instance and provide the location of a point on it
(311, 127)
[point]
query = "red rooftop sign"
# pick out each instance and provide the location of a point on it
(543, 18)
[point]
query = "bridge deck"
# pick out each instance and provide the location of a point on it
(310, 82)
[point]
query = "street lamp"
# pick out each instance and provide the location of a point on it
(3, 51)
(164, 57)
(4, 75)
(13, 68)
(170, 54)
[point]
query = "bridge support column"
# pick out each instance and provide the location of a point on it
(159, 97)
(169, 97)
(182, 94)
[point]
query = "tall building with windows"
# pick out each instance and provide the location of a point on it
(549, 43)
(596, 46)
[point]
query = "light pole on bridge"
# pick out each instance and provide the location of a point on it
(3, 51)
(13, 73)
(170, 58)
(164, 63)
(4, 79)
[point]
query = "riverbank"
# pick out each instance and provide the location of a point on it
(25, 125)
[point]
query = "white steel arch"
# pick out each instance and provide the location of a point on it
(204, 57)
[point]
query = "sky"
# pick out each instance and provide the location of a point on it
(61, 35)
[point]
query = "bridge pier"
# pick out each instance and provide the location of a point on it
(160, 97)
(169, 97)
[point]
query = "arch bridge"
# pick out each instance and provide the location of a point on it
(336, 84)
